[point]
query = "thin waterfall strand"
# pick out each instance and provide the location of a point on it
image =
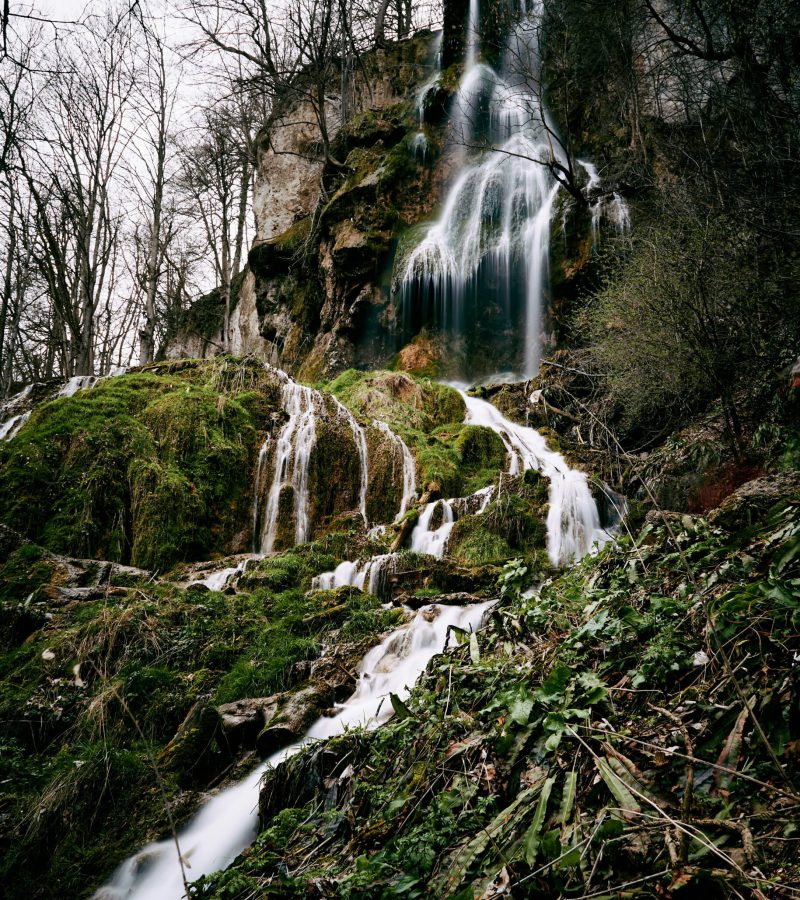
(409, 469)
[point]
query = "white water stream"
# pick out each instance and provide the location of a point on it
(370, 576)
(409, 469)
(227, 823)
(360, 440)
(573, 520)
(292, 455)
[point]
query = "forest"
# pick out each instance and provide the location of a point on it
(399, 449)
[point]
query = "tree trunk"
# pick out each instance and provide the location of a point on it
(380, 23)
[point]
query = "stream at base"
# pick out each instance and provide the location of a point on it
(228, 822)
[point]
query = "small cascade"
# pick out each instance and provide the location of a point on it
(610, 208)
(433, 541)
(409, 469)
(573, 521)
(371, 576)
(419, 146)
(77, 383)
(419, 143)
(360, 440)
(260, 468)
(218, 581)
(11, 427)
(13, 414)
(292, 455)
(227, 823)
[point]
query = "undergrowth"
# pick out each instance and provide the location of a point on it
(629, 729)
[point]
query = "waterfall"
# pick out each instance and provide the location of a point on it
(611, 207)
(218, 580)
(494, 228)
(409, 470)
(10, 428)
(260, 467)
(228, 822)
(292, 455)
(371, 575)
(363, 458)
(433, 541)
(77, 383)
(573, 521)
(473, 34)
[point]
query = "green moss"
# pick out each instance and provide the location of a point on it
(73, 753)
(425, 414)
(150, 467)
(513, 525)
(23, 572)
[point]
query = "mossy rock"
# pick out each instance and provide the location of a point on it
(512, 525)
(150, 467)
(276, 255)
(401, 400)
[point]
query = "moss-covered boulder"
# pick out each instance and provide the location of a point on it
(512, 525)
(150, 467)
(429, 416)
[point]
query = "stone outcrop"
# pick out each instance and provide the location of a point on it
(327, 228)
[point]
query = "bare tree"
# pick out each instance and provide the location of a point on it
(70, 171)
(215, 179)
(156, 93)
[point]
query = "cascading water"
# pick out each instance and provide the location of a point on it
(261, 466)
(433, 540)
(419, 143)
(363, 456)
(489, 248)
(604, 206)
(77, 383)
(218, 579)
(409, 469)
(292, 455)
(371, 575)
(11, 427)
(227, 823)
(573, 522)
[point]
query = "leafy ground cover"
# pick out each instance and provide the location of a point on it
(628, 730)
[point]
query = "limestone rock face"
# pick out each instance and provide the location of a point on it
(316, 297)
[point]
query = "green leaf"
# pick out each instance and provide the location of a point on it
(532, 835)
(567, 797)
(594, 687)
(553, 687)
(520, 710)
(474, 650)
(627, 802)
(400, 709)
(787, 554)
